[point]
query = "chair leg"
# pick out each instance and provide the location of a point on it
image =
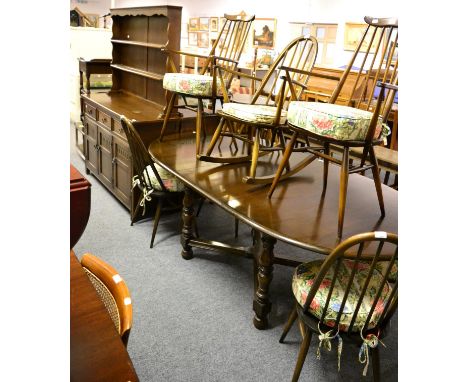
(200, 205)
(169, 108)
(377, 182)
(137, 209)
(215, 137)
(343, 190)
(302, 355)
(292, 317)
(157, 215)
(284, 161)
(236, 227)
(375, 363)
(255, 152)
(326, 151)
(199, 125)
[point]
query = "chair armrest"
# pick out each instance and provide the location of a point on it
(168, 50)
(387, 85)
(240, 74)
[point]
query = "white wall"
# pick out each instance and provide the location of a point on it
(312, 11)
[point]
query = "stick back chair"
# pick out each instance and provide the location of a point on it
(113, 292)
(355, 119)
(154, 182)
(225, 52)
(349, 294)
(258, 124)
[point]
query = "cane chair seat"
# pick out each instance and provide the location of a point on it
(171, 183)
(334, 121)
(191, 84)
(254, 113)
(113, 292)
(303, 280)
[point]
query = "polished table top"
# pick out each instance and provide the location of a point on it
(96, 351)
(297, 213)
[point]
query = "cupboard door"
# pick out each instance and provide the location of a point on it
(105, 156)
(122, 171)
(91, 150)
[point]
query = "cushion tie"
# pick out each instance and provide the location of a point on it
(371, 341)
(325, 341)
(146, 194)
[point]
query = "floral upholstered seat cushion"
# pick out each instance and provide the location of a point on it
(303, 280)
(254, 113)
(382, 266)
(334, 121)
(190, 84)
(171, 182)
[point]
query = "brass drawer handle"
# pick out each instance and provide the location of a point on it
(104, 120)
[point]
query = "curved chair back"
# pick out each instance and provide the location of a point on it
(374, 60)
(229, 44)
(141, 159)
(113, 292)
(299, 57)
(360, 255)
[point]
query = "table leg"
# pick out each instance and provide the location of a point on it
(261, 303)
(88, 82)
(187, 228)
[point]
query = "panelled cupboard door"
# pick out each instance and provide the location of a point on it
(91, 146)
(122, 171)
(105, 156)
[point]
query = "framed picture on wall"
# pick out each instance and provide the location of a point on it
(193, 24)
(204, 23)
(264, 31)
(353, 34)
(203, 39)
(213, 24)
(193, 38)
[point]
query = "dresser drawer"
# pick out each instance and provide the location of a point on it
(118, 129)
(105, 119)
(90, 111)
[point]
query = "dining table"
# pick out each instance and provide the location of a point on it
(299, 213)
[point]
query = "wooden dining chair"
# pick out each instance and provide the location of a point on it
(225, 52)
(349, 294)
(154, 182)
(356, 119)
(259, 123)
(113, 292)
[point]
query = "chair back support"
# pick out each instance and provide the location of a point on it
(374, 60)
(140, 156)
(229, 44)
(298, 56)
(112, 290)
(367, 248)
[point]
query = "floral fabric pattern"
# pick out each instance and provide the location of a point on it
(382, 266)
(334, 121)
(303, 280)
(191, 84)
(254, 113)
(172, 183)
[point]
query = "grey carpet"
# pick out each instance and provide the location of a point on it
(193, 319)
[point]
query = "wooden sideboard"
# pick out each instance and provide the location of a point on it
(138, 67)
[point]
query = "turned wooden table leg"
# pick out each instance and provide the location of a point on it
(261, 303)
(187, 228)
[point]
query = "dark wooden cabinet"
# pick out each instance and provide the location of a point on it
(138, 67)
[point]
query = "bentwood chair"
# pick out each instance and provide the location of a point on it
(351, 119)
(113, 292)
(154, 182)
(259, 123)
(353, 293)
(225, 52)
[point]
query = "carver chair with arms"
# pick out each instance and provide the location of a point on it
(353, 293)
(225, 52)
(154, 182)
(259, 123)
(353, 120)
(113, 292)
